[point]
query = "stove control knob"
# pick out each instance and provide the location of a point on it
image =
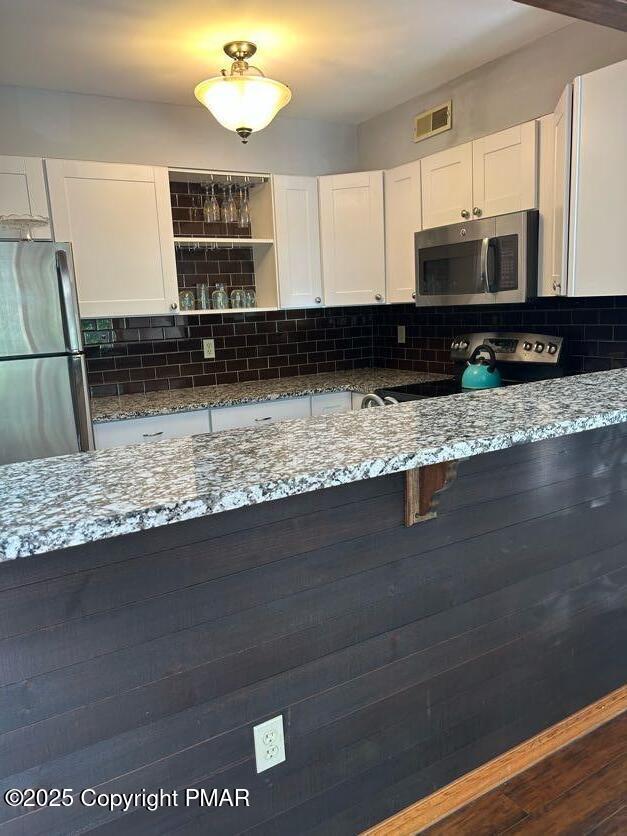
(527, 346)
(552, 348)
(463, 345)
(454, 346)
(539, 348)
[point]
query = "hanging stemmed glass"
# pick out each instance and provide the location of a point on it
(211, 205)
(243, 220)
(232, 213)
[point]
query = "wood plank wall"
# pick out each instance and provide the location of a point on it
(399, 657)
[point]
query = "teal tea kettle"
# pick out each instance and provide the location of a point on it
(480, 373)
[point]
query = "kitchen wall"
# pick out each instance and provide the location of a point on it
(76, 126)
(145, 354)
(515, 88)
(594, 329)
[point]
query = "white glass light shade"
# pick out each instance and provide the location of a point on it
(243, 102)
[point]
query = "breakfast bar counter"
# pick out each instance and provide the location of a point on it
(68, 500)
(157, 601)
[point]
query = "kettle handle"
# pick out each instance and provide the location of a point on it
(490, 351)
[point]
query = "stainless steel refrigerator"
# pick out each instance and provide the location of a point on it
(44, 397)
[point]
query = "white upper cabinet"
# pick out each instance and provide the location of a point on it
(119, 222)
(352, 238)
(23, 192)
(447, 186)
(297, 233)
(504, 171)
(403, 217)
(494, 175)
(558, 210)
(596, 252)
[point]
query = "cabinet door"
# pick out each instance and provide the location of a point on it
(505, 172)
(447, 186)
(352, 238)
(596, 254)
(23, 192)
(562, 138)
(297, 233)
(119, 222)
(403, 217)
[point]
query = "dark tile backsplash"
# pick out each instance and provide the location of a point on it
(594, 330)
(142, 354)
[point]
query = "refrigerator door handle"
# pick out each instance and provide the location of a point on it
(69, 303)
(80, 399)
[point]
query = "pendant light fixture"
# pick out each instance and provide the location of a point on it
(241, 101)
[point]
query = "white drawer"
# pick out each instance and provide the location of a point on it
(259, 414)
(154, 428)
(330, 403)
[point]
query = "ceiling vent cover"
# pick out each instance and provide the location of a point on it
(434, 121)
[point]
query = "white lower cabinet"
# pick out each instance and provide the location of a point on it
(259, 414)
(331, 403)
(154, 428)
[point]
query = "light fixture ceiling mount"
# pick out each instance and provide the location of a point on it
(240, 101)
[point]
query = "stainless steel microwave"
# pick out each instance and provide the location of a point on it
(492, 260)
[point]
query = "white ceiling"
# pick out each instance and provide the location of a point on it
(345, 60)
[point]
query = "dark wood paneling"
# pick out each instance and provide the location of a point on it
(605, 12)
(399, 657)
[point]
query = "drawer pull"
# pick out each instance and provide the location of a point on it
(268, 418)
(152, 435)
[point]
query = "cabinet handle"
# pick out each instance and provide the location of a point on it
(152, 435)
(173, 306)
(476, 211)
(378, 297)
(557, 287)
(318, 299)
(465, 214)
(268, 418)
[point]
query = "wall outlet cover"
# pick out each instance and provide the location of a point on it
(269, 743)
(400, 330)
(209, 349)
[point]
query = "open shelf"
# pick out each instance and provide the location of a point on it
(224, 311)
(180, 240)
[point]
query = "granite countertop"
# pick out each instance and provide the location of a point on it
(231, 394)
(67, 500)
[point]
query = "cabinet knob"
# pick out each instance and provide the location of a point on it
(556, 287)
(413, 296)
(378, 297)
(317, 300)
(476, 211)
(173, 306)
(465, 214)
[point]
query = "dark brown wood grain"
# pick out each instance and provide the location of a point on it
(400, 658)
(611, 13)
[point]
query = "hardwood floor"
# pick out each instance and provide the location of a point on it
(581, 789)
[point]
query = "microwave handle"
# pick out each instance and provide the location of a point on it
(484, 274)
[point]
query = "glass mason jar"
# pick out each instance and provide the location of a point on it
(219, 299)
(250, 297)
(238, 298)
(187, 301)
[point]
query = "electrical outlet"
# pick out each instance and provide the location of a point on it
(269, 743)
(209, 349)
(400, 331)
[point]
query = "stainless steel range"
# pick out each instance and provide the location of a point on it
(521, 358)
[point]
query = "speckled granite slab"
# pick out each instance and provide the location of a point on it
(231, 394)
(68, 500)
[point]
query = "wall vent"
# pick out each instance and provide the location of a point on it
(434, 121)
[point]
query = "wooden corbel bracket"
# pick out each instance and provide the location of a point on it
(422, 487)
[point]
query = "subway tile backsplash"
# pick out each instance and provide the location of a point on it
(142, 354)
